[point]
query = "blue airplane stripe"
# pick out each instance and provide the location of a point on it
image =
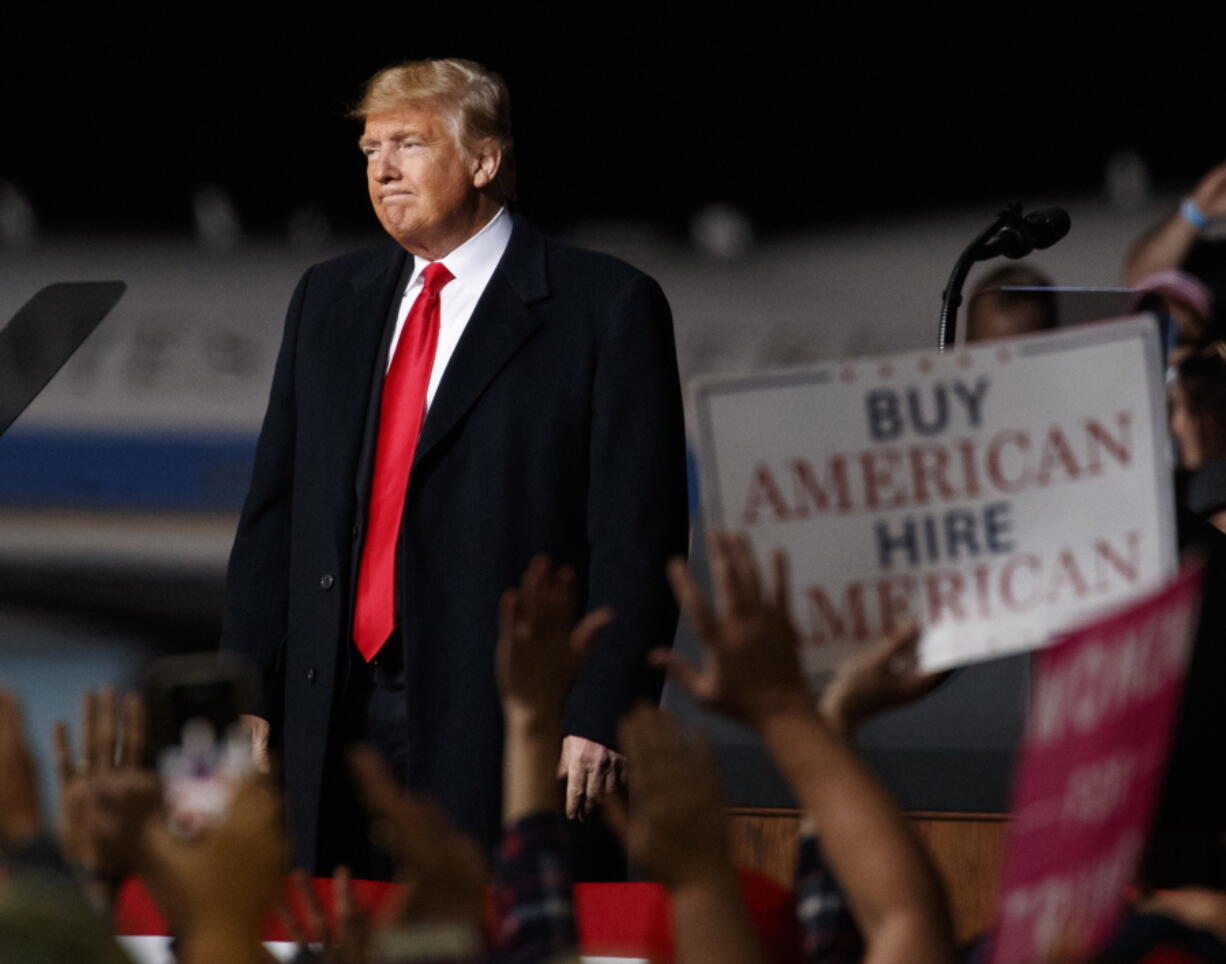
(118, 470)
(83, 470)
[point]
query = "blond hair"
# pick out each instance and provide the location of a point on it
(474, 100)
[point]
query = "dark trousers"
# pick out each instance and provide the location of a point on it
(373, 709)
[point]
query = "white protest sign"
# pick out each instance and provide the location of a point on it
(995, 493)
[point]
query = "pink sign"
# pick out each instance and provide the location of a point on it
(1096, 742)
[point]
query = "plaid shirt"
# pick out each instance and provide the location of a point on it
(830, 933)
(532, 892)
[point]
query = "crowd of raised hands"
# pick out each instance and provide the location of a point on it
(865, 889)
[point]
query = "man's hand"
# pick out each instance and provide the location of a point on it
(259, 729)
(591, 771)
(751, 666)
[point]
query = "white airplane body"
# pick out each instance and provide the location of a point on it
(136, 456)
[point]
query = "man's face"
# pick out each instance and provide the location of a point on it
(424, 188)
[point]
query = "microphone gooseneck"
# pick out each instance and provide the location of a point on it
(1010, 235)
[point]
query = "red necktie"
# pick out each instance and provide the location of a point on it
(400, 418)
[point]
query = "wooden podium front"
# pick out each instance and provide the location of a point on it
(967, 849)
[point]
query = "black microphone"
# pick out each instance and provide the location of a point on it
(1010, 240)
(1016, 236)
(1011, 235)
(1047, 226)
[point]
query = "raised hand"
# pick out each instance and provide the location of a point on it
(675, 826)
(217, 887)
(876, 679)
(104, 793)
(444, 869)
(750, 664)
(752, 673)
(1167, 246)
(20, 815)
(345, 938)
(539, 652)
(1210, 193)
(540, 648)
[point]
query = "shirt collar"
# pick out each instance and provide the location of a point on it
(483, 249)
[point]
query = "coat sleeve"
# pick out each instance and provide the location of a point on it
(255, 619)
(637, 513)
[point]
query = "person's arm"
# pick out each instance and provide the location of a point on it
(106, 793)
(868, 682)
(439, 914)
(637, 519)
(21, 824)
(257, 578)
(217, 888)
(44, 915)
(539, 651)
(752, 674)
(533, 891)
(1166, 246)
(676, 829)
(893, 889)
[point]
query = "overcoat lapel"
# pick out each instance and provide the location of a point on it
(358, 332)
(500, 324)
(362, 328)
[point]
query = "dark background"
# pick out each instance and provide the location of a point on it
(620, 112)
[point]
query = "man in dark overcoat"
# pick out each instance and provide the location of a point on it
(443, 408)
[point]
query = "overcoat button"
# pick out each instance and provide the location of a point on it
(326, 581)
(311, 675)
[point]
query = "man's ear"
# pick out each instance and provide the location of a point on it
(487, 159)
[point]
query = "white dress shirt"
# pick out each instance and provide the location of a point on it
(472, 264)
